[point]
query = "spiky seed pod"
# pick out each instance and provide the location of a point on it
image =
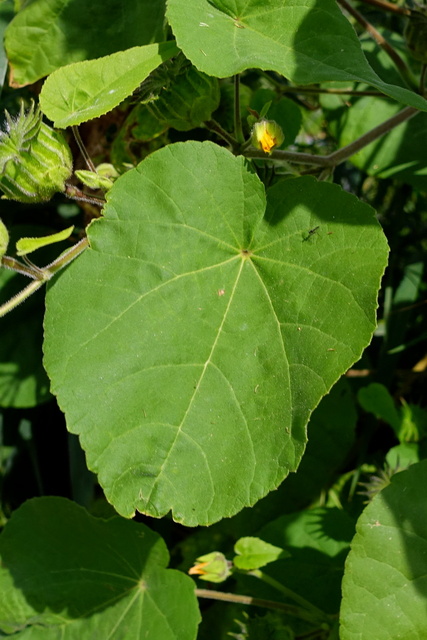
(35, 160)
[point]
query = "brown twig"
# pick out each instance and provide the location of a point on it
(388, 6)
(292, 610)
(335, 158)
(382, 42)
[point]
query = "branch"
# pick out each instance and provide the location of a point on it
(342, 154)
(40, 275)
(388, 6)
(292, 610)
(382, 42)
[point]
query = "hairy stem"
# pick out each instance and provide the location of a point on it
(296, 612)
(342, 154)
(317, 613)
(40, 276)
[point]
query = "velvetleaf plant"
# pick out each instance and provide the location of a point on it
(219, 281)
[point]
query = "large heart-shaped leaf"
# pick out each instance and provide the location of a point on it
(88, 89)
(65, 574)
(304, 40)
(48, 34)
(190, 343)
(385, 584)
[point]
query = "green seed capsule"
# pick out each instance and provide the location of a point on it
(35, 160)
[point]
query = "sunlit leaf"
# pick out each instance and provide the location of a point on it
(189, 284)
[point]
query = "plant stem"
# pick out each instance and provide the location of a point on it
(388, 6)
(382, 42)
(83, 149)
(238, 131)
(75, 194)
(214, 126)
(40, 275)
(342, 154)
(318, 613)
(29, 270)
(20, 297)
(316, 90)
(290, 609)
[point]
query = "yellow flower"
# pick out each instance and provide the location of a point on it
(266, 135)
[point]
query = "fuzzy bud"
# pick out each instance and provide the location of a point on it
(267, 135)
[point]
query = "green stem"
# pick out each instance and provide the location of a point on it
(317, 614)
(20, 297)
(238, 131)
(40, 275)
(335, 158)
(292, 610)
(214, 126)
(83, 149)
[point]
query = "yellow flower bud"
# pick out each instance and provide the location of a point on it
(266, 135)
(213, 567)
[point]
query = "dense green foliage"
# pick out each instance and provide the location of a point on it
(226, 201)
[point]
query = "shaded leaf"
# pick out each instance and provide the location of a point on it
(194, 286)
(85, 577)
(49, 34)
(88, 89)
(318, 541)
(307, 41)
(385, 585)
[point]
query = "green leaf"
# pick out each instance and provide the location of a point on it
(318, 541)
(88, 89)
(24, 246)
(48, 34)
(224, 328)
(330, 438)
(254, 553)
(400, 154)
(385, 586)
(376, 399)
(307, 41)
(85, 577)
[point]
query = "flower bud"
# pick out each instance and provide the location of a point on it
(266, 135)
(213, 567)
(35, 160)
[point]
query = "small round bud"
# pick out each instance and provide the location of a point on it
(213, 567)
(266, 135)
